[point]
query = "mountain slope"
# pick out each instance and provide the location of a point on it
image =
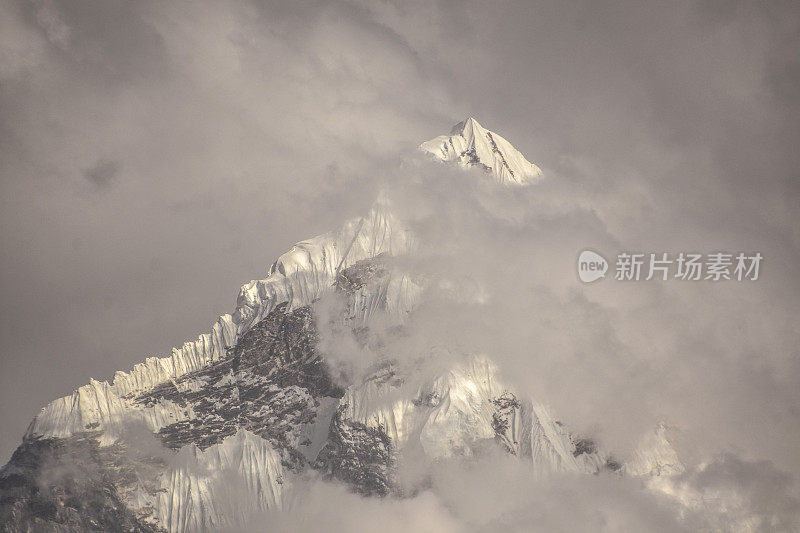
(223, 427)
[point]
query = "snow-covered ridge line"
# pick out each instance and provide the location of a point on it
(298, 277)
(470, 144)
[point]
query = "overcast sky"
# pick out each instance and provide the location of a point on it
(155, 156)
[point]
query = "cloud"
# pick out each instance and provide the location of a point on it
(320, 506)
(612, 359)
(103, 173)
(475, 496)
(497, 491)
(734, 495)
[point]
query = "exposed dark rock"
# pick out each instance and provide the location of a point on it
(360, 273)
(505, 408)
(586, 446)
(497, 151)
(55, 485)
(359, 455)
(613, 465)
(270, 385)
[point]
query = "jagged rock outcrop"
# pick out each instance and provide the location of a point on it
(74, 484)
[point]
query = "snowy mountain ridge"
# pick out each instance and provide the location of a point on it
(241, 411)
(299, 277)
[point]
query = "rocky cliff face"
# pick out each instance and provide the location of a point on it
(71, 484)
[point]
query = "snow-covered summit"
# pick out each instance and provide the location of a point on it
(236, 415)
(470, 144)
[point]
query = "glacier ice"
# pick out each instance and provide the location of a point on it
(219, 486)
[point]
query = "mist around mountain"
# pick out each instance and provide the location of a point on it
(374, 367)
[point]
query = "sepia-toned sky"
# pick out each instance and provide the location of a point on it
(155, 156)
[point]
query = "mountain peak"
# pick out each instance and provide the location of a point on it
(467, 125)
(470, 144)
